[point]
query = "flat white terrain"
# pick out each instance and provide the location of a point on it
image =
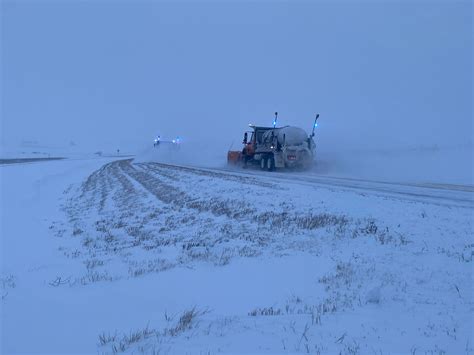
(103, 256)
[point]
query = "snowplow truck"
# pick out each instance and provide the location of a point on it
(271, 147)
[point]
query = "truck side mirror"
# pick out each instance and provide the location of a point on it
(245, 138)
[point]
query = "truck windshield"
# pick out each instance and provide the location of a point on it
(252, 137)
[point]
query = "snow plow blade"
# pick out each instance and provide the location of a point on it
(234, 157)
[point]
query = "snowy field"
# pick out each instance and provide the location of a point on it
(105, 256)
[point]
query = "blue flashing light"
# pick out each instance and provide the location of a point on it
(315, 125)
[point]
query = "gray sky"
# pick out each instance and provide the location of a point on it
(118, 73)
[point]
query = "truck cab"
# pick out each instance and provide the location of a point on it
(256, 140)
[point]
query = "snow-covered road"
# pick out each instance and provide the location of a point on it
(462, 195)
(153, 257)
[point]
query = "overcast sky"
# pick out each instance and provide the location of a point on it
(96, 72)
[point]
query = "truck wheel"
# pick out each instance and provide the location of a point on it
(244, 162)
(263, 163)
(271, 164)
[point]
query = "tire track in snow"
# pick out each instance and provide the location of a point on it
(440, 194)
